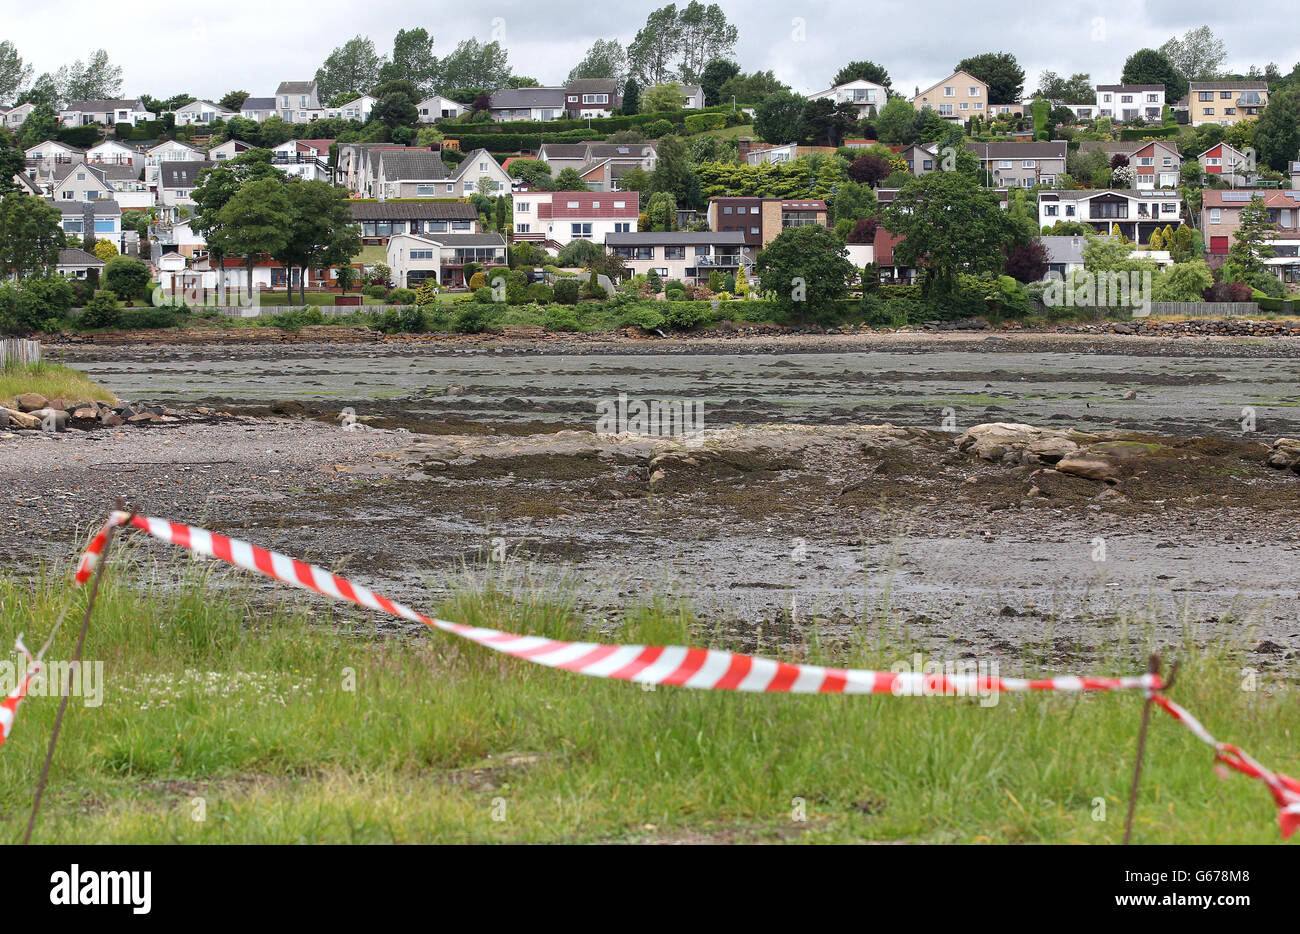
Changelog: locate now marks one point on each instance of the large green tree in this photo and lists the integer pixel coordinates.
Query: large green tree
(894, 120)
(1076, 89)
(352, 68)
(605, 59)
(1000, 71)
(778, 118)
(1277, 132)
(861, 71)
(413, 60)
(1251, 242)
(677, 43)
(216, 187)
(805, 270)
(751, 88)
(95, 79)
(674, 174)
(31, 234)
(717, 73)
(1147, 66)
(1199, 55)
(476, 64)
(13, 73)
(949, 225)
(322, 232)
(258, 219)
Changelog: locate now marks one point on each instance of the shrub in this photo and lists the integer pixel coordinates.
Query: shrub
(390, 322)
(374, 291)
(566, 291)
(42, 303)
(675, 295)
(658, 128)
(101, 311)
(686, 315)
(699, 123)
(648, 318)
(592, 288)
(149, 317)
(477, 281)
(541, 293)
(471, 318)
(400, 296)
(411, 319)
(561, 319)
(126, 277)
(484, 296)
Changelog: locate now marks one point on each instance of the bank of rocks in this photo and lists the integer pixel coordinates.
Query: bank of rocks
(33, 412)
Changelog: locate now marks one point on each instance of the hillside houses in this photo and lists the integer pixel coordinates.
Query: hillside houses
(104, 112)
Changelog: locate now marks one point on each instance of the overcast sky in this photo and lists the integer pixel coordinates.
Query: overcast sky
(252, 45)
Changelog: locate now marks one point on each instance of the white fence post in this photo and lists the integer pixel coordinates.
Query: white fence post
(18, 352)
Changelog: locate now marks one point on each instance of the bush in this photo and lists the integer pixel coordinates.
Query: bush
(126, 277)
(592, 289)
(471, 318)
(390, 322)
(658, 128)
(561, 319)
(675, 295)
(699, 123)
(149, 317)
(477, 281)
(411, 319)
(686, 315)
(101, 311)
(374, 291)
(566, 291)
(400, 296)
(483, 295)
(541, 293)
(41, 304)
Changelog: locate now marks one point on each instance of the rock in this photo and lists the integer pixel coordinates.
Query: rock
(22, 419)
(31, 401)
(279, 407)
(109, 419)
(1284, 455)
(1090, 468)
(85, 414)
(455, 389)
(1131, 394)
(58, 418)
(1052, 449)
(142, 418)
(1013, 443)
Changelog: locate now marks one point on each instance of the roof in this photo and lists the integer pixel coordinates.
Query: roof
(1030, 150)
(172, 142)
(1228, 86)
(1064, 249)
(320, 145)
(295, 87)
(182, 174)
(96, 207)
(564, 150)
(1273, 198)
(512, 98)
(55, 142)
(413, 210)
(455, 240)
(592, 85)
(407, 163)
(117, 172)
(1142, 88)
(258, 103)
(1078, 194)
(884, 243)
(1108, 145)
(588, 204)
(622, 150)
(677, 238)
(105, 105)
(64, 169)
(78, 257)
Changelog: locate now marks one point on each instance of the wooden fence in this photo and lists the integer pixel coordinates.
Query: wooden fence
(16, 352)
(1206, 309)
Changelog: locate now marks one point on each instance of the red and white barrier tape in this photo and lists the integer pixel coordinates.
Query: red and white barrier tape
(709, 669)
(9, 706)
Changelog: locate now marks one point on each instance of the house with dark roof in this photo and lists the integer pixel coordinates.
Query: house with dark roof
(176, 184)
(592, 97)
(416, 258)
(686, 255)
(102, 219)
(527, 104)
(76, 263)
(380, 220)
(257, 108)
(296, 102)
(438, 107)
(1128, 211)
(104, 112)
(1021, 165)
(600, 165)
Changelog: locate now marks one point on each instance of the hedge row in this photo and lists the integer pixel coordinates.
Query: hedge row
(1160, 132)
(607, 124)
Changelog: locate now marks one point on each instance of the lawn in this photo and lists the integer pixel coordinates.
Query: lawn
(286, 723)
(744, 129)
(51, 381)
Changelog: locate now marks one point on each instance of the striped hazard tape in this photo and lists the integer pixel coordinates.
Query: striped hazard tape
(709, 669)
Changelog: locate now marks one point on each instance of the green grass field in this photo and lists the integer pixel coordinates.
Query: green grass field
(51, 381)
(294, 725)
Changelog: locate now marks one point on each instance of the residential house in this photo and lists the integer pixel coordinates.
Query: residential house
(556, 218)
(200, 113)
(1021, 165)
(81, 181)
(105, 113)
(1064, 254)
(478, 166)
(686, 255)
(101, 219)
(175, 274)
(1135, 214)
(416, 258)
(260, 109)
(439, 108)
(355, 163)
(76, 263)
(1221, 218)
(600, 165)
(178, 237)
(307, 159)
(227, 150)
(921, 158)
(296, 102)
(866, 96)
(1155, 163)
(358, 109)
(761, 220)
(1293, 170)
(694, 95)
(177, 181)
(511, 104)
(1229, 164)
(882, 254)
(408, 172)
(592, 97)
(1225, 102)
(957, 98)
(786, 152)
(167, 151)
(43, 158)
(29, 185)
(112, 152)
(14, 117)
(381, 220)
(1124, 103)
(268, 274)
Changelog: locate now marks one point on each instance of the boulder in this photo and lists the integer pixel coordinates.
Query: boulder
(31, 401)
(1284, 454)
(56, 417)
(86, 414)
(1014, 443)
(21, 419)
(142, 418)
(109, 419)
(1089, 467)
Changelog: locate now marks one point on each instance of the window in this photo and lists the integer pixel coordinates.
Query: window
(573, 204)
(975, 92)
(1146, 160)
(927, 164)
(978, 105)
(460, 225)
(1107, 98)
(726, 209)
(753, 230)
(1027, 163)
(949, 92)
(1225, 95)
(964, 106)
(1153, 98)
(435, 226)
(1069, 210)
(623, 227)
(104, 225)
(451, 188)
(620, 205)
(1229, 111)
(754, 209)
(1049, 210)
(945, 109)
(595, 205)
(523, 207)
(1207, 112)
(422, 254)
(580, 231)
(426, 191)
(1205, 95)
(674, 252)
(1213, 160)
(1126, 98)
(1170, 207)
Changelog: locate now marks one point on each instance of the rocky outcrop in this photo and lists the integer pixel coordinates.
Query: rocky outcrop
(1284, 455)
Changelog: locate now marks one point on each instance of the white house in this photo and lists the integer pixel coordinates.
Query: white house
(200, 113)
(14, 117)
(533, 104)
(358, 109)
(867, 96)
(439, 108)
(556, 218)
(479, 164)
(167, 151)
(227, 150)
(1126, 102)
(44, 157)
(415, 258)
(296, 102)
(694, 95)
(103, 219)
(257, 108)
(1135, 214)
(111, 152)
(307, 159)
(76, 263)
(686, 255)
(105, 112)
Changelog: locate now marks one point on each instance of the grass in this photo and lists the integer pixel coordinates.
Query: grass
(313, 298)
(727, 132)
(51, 381)
(287, 724)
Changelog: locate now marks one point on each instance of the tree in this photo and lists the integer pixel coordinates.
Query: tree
(1198, 55)
(322, 232)
(1147, 66)
(751, 88)
(97, 79)
(126, 277)
(569, 180)
(949, 226)
(805, 269)
(1182, 282)
(1027, 262)
(31, 233)
(233, 100)
(346, 276)
(217, 186)
(413, 61)
(396, 109)
(476, 64)
(352, 68)
(703, 35)
(605, 59)
(999, 70)
(825, 122)
(650, 53)
(663, 97)
(13, 161)
(1277, 132)
(674, 174)
(532, 172)
(894, 120)
(777, 118)
(717, 73)
(869, 170)
(631, 97)
(13, 73)
(862, 71)
(1076, 89)
(864, 230)
(104, 250)
(661, 211)
(1250, 242)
